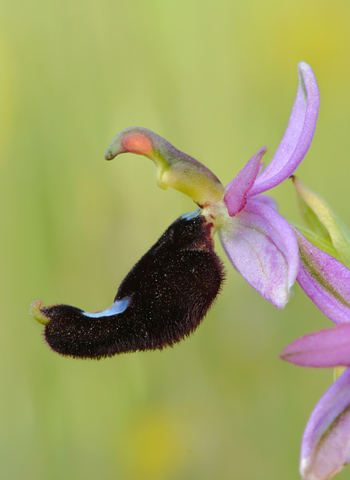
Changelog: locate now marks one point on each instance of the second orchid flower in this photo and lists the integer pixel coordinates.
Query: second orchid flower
(326, 441)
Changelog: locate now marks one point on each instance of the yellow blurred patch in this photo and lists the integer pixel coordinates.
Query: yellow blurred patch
(153, 448)
(316, 31)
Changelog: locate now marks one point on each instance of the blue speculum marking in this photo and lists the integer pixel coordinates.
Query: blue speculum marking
(119, 306)
(190, 215)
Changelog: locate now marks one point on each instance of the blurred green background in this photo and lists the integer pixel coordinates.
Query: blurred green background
(218, 80)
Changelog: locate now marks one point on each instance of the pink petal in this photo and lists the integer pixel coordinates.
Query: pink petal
(325, 448)
(325, 348)
(262, 247)
(266, 200)
(298, 136)
(236, 191)
(325, 280)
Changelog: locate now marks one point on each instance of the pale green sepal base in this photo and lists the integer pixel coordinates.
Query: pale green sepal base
(325, 224)
(321, 243)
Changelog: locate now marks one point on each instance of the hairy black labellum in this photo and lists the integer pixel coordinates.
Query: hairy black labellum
(169, 290)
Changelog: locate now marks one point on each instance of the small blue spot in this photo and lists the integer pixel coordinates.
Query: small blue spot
(119, 306)
(190, 215)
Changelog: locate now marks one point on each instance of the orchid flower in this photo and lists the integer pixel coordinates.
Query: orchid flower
(325, 447)
(326, 442)
(163, 299)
